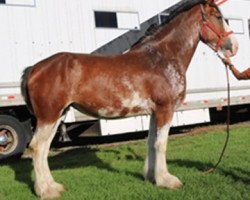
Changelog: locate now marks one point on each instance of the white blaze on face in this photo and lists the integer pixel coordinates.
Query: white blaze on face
(233, 40)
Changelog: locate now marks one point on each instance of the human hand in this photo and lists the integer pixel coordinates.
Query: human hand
(227, 62)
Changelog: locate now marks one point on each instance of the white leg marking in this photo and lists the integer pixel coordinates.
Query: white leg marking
(162, 176)
(161, 147)
(45, 186)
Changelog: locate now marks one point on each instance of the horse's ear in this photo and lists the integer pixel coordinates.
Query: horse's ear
(207, 1)
(215, 1)
(210, 1)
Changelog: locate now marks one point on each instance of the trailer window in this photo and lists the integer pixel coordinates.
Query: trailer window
(2, 1)
(236, 25)
(162, 17)
(119, 20)
(105, 19)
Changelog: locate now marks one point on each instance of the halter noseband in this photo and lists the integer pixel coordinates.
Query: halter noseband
(206, 24)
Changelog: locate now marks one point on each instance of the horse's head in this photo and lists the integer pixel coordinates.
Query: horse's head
(215, 32)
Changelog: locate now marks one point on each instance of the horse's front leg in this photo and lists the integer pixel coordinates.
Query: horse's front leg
(156, 170)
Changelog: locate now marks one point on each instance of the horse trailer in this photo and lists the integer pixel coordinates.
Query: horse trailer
(33, 30)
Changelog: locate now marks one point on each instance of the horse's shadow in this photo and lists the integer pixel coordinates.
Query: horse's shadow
(84, 157)
(22, 169)
(69, 159)
(236, 174)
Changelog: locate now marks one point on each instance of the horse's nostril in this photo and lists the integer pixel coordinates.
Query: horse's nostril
(229, 46)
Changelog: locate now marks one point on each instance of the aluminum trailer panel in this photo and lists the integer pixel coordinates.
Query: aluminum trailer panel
(33, 30)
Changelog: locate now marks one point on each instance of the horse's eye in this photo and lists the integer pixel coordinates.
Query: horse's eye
(219, 17)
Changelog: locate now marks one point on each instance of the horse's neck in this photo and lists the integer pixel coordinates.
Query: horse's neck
(184, 38)
(178, 39)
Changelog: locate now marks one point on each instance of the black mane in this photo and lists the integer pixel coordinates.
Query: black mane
(172, 12)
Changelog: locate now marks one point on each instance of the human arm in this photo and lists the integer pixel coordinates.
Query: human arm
(245, 75)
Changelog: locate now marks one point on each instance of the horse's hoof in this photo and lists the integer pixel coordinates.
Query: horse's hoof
(57, 186)
(52, 191)
(168, 181)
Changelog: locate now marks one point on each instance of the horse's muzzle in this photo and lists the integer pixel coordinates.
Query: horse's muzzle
(229, 49)
(232, 46)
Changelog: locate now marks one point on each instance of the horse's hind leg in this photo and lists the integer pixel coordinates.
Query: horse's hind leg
(45, 186)
(156, 170)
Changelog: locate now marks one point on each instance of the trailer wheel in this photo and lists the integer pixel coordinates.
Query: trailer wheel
(12, 137)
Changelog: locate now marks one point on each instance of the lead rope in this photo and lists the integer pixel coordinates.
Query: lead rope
(212, 169)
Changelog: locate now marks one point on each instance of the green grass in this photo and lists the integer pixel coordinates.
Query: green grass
(116, 172)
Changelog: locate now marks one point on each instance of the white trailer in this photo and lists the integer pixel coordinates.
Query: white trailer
(32, 30)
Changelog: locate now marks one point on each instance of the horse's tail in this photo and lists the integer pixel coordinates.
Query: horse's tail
(25, 89)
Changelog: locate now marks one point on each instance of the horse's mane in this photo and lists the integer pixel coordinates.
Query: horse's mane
(172, 12)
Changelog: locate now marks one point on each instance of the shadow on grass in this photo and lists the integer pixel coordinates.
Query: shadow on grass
(22, 169)
(70, 159)
(84, 157)
(236, 173)
(79, 157)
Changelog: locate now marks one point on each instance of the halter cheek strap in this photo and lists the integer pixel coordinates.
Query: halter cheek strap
(221, 35)
(206, 24)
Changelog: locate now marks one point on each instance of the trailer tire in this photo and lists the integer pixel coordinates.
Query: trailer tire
(14, 131)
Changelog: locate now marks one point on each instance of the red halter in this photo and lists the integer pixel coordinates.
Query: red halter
(208, 25)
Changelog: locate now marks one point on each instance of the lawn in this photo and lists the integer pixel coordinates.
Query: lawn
(115, 172)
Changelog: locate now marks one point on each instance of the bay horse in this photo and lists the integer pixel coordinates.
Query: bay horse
(147, 80)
